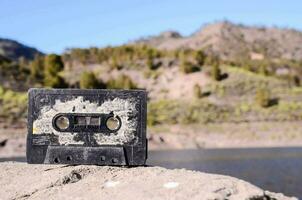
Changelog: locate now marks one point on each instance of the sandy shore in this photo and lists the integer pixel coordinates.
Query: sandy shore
(23, 181)
(226, 135)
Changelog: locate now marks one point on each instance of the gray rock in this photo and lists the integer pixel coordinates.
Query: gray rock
(23, 181)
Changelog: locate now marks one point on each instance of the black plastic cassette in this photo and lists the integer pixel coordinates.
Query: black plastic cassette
(73, 126)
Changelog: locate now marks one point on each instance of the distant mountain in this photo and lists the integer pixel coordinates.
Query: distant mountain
(232, 41)
(13, 50)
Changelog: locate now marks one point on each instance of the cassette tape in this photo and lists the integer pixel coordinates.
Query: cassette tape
(73, 126)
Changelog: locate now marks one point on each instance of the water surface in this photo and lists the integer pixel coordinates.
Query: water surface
(274, 169)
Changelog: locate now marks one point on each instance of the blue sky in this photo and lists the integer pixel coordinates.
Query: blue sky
(52, 26)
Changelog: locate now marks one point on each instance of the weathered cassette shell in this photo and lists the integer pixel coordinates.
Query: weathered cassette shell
(73, 126)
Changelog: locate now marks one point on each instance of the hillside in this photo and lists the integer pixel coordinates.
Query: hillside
(232, 41)
(196, 99)
(204, 87)
(14, 50)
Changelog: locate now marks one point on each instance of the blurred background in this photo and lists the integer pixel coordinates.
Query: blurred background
(224, 78)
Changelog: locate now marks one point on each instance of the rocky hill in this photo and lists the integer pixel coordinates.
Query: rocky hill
(232, 41)
(14, 50)
(256, 86)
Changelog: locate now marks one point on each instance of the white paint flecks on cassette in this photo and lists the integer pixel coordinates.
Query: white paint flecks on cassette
(119, 107)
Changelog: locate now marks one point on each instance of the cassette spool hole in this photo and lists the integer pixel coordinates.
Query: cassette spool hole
(113, 123)
(62, 122)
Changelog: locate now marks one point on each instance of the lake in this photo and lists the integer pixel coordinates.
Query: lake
(274, 169)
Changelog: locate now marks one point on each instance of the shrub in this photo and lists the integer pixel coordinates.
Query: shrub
(200, 57)
(211, 60)
(14, 76)
(150, 64)
(4, 60)
(187, 67)
(296, 81)
(121, 82)
(263, 68)
(182, 112)
(262, 97)
(114, 64)
(53, 65)
(123, 54)
(55, 82)
(163, 112)
(216, 73)
(197, 91)
(13, 105)
(37, 68)
(151, 55)
(154, 74)
(293, 81)
(89, 81)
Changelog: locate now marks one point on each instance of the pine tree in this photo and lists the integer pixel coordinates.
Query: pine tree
(53, 65)
(37, 68)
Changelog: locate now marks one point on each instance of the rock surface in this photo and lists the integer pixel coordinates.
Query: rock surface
(23, 181)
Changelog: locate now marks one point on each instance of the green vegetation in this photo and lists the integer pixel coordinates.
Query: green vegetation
(197, 91)
(183, 112)
(13, 75)
(123, 54)
(200, 57)
(151, 55)
(165, 112)
(4, 60)
(216, 73)
(263, 98)
(243, 83)
(263, 68)
(121, 82)
(239, 97)
(154, 74)
(37, 69)
(268, 67)
(13, 105)
(185, 65)
(53, 65)
(114, 64)
(89, 81)
(150, 63)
